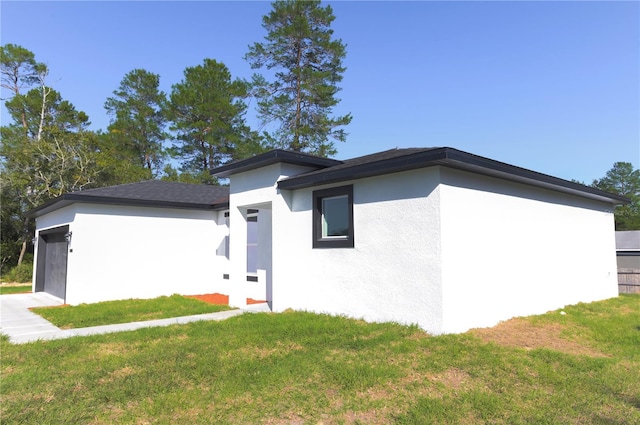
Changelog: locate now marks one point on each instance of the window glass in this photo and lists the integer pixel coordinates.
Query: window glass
(335, 216)
(252, 244)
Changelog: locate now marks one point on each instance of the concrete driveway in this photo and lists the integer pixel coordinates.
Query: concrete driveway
(21, 325)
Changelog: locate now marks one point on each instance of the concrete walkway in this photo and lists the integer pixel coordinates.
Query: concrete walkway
(22, 325)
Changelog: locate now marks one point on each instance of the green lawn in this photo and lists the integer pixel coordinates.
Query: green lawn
(14, 289)
(582, 367)
(125, 311)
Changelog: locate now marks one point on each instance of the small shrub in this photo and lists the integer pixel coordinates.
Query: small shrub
(22, 273)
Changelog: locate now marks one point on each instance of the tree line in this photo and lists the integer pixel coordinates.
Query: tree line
(623, 179)
(48, 149)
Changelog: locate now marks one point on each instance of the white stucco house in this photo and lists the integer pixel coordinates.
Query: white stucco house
(433, 236)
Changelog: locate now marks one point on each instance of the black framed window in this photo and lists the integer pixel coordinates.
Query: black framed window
(333, 218)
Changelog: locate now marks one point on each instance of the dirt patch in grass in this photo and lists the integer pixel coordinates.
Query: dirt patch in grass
(216, 298)
(453, 378)
(521, 333)
(118, 375)
(111, 349)
(257, 352)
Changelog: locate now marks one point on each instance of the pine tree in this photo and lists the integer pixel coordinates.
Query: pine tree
(624, 180)
(308, 68)
(207, 113)
(138, 124)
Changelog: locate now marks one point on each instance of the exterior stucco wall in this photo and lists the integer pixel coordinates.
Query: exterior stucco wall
(120, 252)
(513, 250)
(257, 189)
(392, 273)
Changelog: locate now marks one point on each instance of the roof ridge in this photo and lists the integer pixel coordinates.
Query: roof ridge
(142, 182)
(410, 149)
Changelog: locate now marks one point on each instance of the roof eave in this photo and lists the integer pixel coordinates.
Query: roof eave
(71, 198)
(485, 166)
(370, 169)
(456, 159)
(273, 157)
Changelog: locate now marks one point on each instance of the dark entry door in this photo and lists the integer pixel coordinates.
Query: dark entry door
(51, 273)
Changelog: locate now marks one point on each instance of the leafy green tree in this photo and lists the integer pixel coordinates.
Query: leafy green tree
(207, 113)
(53, 154)
(46, 151)
(11, 226)
(18, 69)
(308, 67)
(48, 117)
(623, 180)
(138, 119)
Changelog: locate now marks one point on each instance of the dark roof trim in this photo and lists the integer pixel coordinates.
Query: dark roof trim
(451, 158)
(274, 157)
(76, 198)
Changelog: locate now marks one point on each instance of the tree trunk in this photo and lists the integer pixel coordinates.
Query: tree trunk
(296, 137)
(23, 250)
(25, 233)
(42, 111)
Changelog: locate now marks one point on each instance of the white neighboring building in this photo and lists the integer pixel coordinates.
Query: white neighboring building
(628, 255)
(438, 237)
(432, 236)
(628, 249)
(139, 240)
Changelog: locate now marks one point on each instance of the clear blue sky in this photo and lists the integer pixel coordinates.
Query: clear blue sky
(549, 86)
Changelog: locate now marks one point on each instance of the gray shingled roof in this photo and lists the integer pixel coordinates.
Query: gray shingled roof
(396, 160)
(151, 193)
(374, 164)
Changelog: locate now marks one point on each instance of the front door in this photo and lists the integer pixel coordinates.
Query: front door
(258, 246)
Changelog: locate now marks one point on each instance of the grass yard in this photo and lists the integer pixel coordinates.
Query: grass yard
(125, 311)
(582, 367)
(6, 289)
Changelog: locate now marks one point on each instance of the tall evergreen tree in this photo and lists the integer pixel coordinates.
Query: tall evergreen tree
(207, 113)
(19, 69)
(138, 119)
(624, 180)
(308, 68)
(116, 163)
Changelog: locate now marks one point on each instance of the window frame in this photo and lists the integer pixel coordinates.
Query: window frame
(333, 241)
